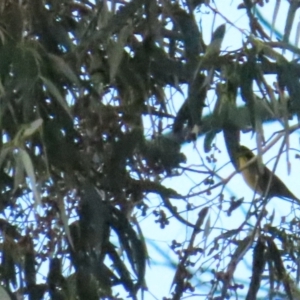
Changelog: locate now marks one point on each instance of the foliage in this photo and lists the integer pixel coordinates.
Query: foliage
(85, 119)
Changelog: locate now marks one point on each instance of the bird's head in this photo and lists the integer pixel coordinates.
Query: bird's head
(243, 155)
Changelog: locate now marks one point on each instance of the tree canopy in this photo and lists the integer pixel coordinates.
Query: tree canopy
(96, 100)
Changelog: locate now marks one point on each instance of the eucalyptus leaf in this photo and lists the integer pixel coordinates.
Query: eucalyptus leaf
(4, 295)
(32, 127)
(54, 91)
(63, 67)
(116, 49)
(28, 165)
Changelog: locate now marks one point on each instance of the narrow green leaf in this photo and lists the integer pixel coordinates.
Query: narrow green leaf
(8, 261)
(201, 216)
(275, 256)
(32, 127)
(207, 228)
(275, 13)
(227, 234)
(3, 294)
(120, 267)
(3, 154)
(64, 68)
(64, 218)
(213, 49)
(209, 138)
(19, 176)
(289, 21)
(116, 50)
(243, 246)
(258, 265)
(133, 246)
(56, 93)
(30, 173)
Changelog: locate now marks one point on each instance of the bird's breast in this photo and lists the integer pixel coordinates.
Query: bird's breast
(250, 175)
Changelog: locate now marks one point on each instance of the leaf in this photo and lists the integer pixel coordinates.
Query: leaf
(262, 47)
(19, 176)
(12, 20)
(4, 153)
(29, 262)
(201, 216)
(294, 5)
(8, 260)
(296, 41)
(190, 31)
(207, 228)
(133, 246)
(247, 74)
(234, 204)
(232, 141)
(3, 294)
(120, 267)
(63, 67)
(243, 246)
(65, 220)
(30, 173)
(56, 94)
(71, 286)
(258, 265)
(275, 256)
(26, 66)
(87, 286)
(164, 153)
(93, 219)
(55, 279)
(227, 234)
(275, 13)
(209, 138)
(32, 127)
(214, 47)
(287, 76)
(116, 50)
(196, 100)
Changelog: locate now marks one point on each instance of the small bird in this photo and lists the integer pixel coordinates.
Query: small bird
(264, 182)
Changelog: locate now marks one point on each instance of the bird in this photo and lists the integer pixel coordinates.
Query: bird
(261, 180)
